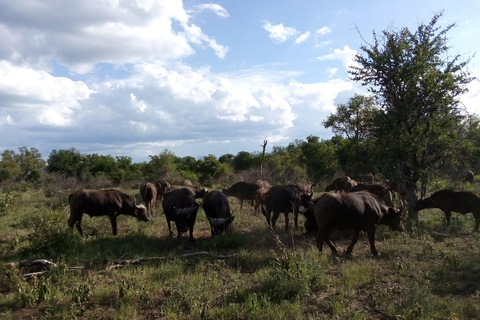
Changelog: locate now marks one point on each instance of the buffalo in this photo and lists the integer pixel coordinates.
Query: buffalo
(364, 178)
(217, 210)
(341, 184)
(196, 191)
(179, 206)
(449, 200)
(359, 211)
(162, 188)
(258, 199)
(148, 192)
(111, 203)
(241, 191)
(286, 199)
(383, 191)
(306, 187)
(263, 184)
(468, 176)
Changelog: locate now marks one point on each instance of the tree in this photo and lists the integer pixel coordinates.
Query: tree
(354, 119)
(319, 158)
(70, 162)
(9, 168)
(417, 85)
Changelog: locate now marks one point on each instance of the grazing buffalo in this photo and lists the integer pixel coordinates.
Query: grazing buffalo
(286, 199)
(196, 191)
(241, 191)
(359, 211)
(341, 184)
(148, 192)
(383, 191)
(365, 178)
(263, 184)
(111, 203)
(468, 176)
(179, 206)
(306, 187)
(162, 188)
(187, 182)
(217, 210)
(448, 200)
(258, 199)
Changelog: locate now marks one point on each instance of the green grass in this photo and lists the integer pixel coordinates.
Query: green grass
(429, 272)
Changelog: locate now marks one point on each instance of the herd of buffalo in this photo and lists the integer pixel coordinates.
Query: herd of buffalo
(359, 206)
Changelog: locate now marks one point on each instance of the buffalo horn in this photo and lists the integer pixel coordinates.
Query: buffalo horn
(184, 211)
(217, 221)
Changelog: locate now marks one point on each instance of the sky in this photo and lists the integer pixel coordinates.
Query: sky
(196, 78)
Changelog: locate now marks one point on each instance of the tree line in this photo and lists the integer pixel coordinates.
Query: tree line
(411, 126)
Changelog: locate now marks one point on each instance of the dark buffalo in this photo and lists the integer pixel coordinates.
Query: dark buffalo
(258, 199)
(359, 211)
(179, 206)
(286, 199)
(241, 191)
(468, 176)
(449, 200)
(148, 192)
(196, 191)
(364, 178)
(383, 191)
(341, 184)
(217, 210)
(111, 203)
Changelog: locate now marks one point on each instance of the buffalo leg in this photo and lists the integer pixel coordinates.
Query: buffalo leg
(274, 219)
(476, 215)
(113, 221)
(354, 241)
(78, 224)
(191, 233)
(170, 232)
(295, 218)
(287, 220)
(448, 216)
(371, 239)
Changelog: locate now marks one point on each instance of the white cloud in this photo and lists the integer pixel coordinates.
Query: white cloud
(82, 34)
(332, 71)
(303, 37)
(39, 97)
(323, 31)
(279, 33)
(216, 8)
(345, 56)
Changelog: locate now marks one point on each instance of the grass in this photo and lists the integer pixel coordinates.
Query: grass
(429, 272)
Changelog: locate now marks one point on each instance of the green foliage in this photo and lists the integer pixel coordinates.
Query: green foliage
(418, 91)
(6, 199)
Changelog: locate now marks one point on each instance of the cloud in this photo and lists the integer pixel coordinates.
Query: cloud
(216, 8)
(323, 31)
(279, 33)
(82, 34)
(345, 56)
(29, 94)
(303, 37)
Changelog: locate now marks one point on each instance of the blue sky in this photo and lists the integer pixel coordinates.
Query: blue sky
(133, 78)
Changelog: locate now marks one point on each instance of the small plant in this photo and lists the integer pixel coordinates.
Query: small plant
(5, 200)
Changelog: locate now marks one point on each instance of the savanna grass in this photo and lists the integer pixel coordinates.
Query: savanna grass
(429, 272)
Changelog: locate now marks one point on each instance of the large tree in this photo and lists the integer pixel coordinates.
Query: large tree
(353, 120)
(417, 85)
